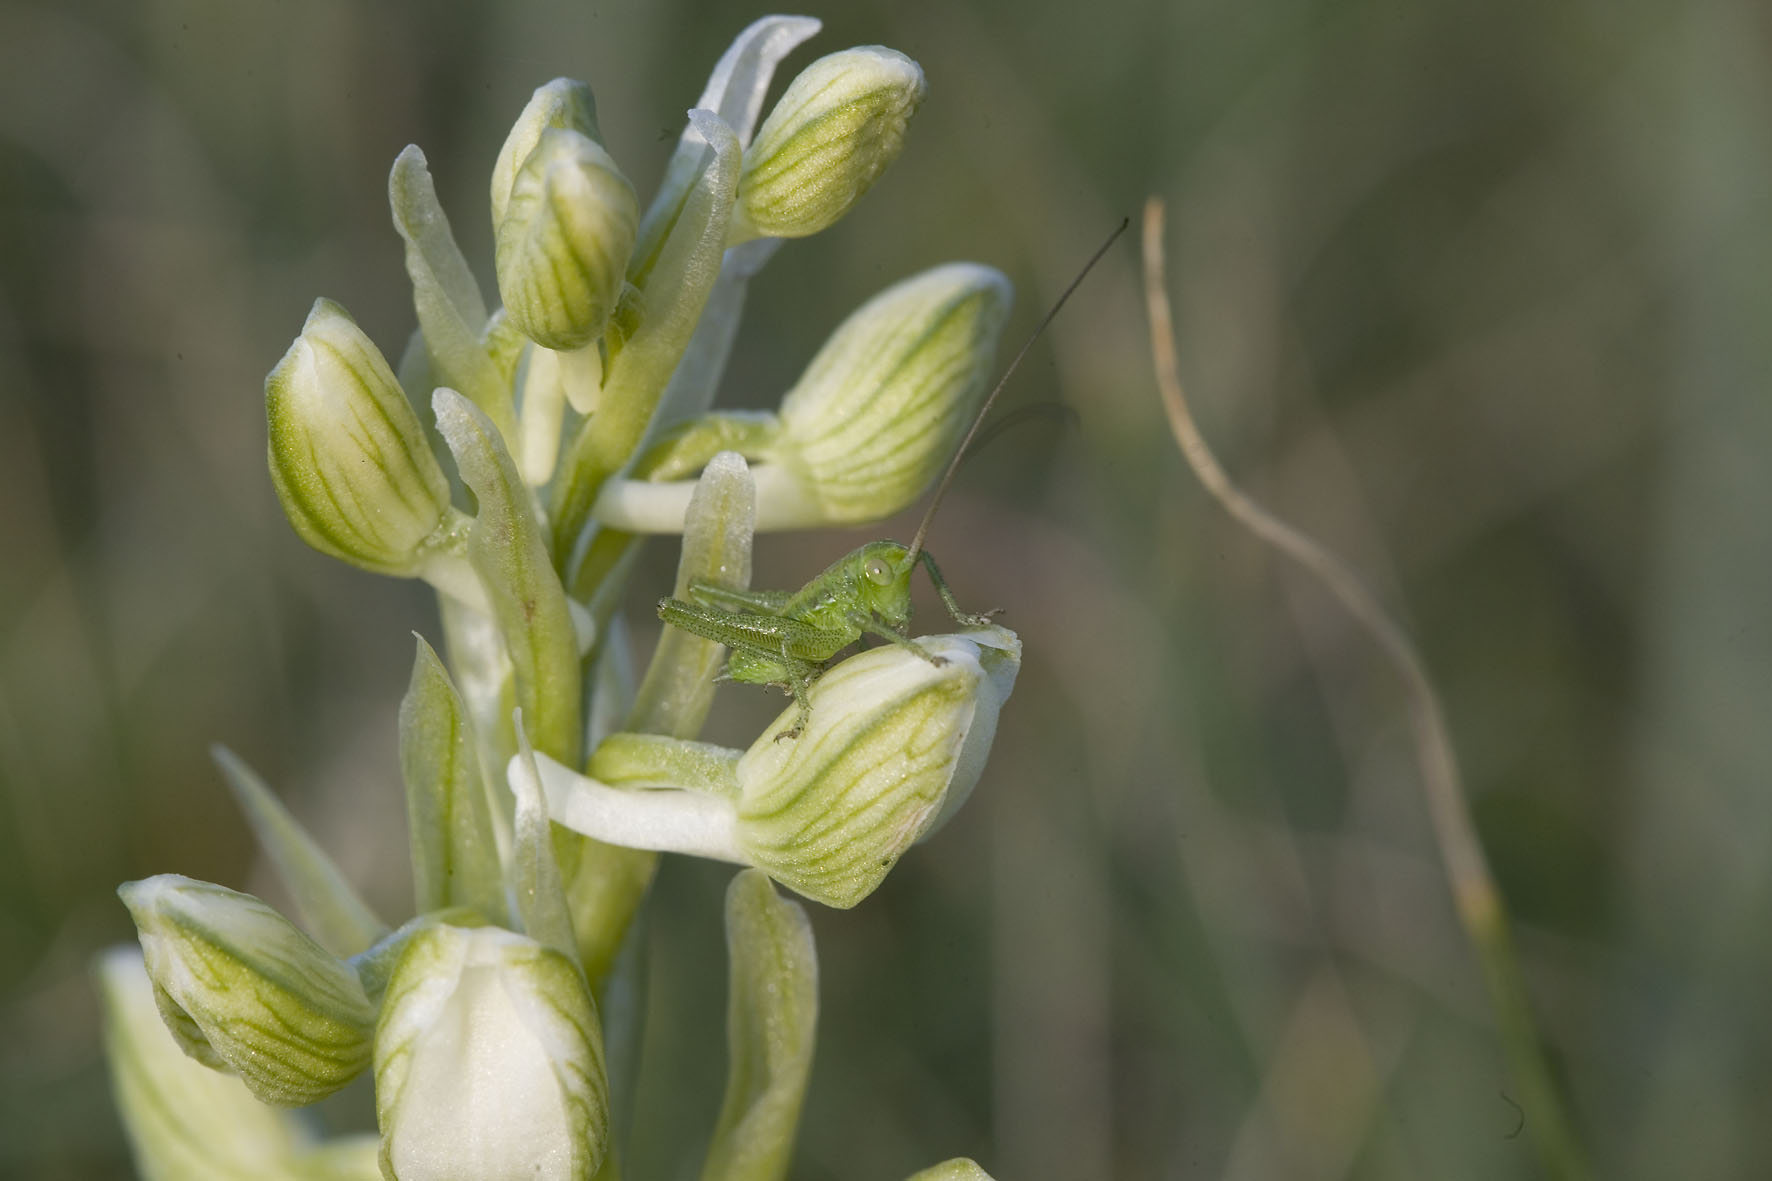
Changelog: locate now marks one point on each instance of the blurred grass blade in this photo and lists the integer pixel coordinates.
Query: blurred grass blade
(333, 912)
(1479, 903)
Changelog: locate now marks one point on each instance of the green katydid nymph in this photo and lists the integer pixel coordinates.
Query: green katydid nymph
(786, 638)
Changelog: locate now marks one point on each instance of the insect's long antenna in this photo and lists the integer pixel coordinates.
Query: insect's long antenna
(947, 477)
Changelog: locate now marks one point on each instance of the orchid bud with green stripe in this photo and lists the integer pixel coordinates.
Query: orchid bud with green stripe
(870, 424)
(489, 1062)
(564, 240)
(839, 125)
(878, 413)
(825, 803)
(243, 989)
(347, 454)
(563, 102)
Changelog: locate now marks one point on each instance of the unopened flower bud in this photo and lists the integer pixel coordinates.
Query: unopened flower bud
(348, 457)
(564, 240)
(489, 1062)
(185, 1120)
(837, 127)
(880, 409)
(288, 1017)
(561, 103)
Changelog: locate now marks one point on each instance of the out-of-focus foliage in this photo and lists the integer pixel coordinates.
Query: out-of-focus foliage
(1480, 293)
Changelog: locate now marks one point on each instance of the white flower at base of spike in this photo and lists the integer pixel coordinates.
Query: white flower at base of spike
(564, 240)
(873, 420)
(489, 1062)
(242, 988)
(892, 746)
(838, 126)
(348, 456)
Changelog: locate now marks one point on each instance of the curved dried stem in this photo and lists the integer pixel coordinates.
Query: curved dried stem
(1478, 902)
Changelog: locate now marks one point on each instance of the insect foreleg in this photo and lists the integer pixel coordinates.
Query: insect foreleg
(947, 596)
(872, 625)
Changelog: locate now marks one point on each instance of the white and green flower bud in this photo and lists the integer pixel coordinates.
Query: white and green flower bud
(892, 745)
(348, 456)
(873, 420)
(564, 240)
(877, 415)
(835, 130)
(489, 1062)
(242, 988)
(563, 102)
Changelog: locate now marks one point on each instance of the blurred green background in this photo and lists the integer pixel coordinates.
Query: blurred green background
(1478, 292)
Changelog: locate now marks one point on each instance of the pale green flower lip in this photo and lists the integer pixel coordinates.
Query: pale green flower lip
(839, 125)
(489, 1062)
(347, 454)
(244, 990)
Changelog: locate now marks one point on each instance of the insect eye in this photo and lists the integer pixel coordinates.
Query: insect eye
(877, 572)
